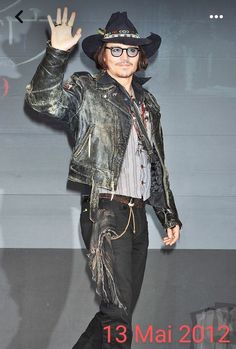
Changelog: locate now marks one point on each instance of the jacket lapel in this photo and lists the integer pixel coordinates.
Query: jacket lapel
(110, 90)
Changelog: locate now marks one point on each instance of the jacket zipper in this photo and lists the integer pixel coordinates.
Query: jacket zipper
(117, 106)
(112, 189)
(89, 145)
(87, 138)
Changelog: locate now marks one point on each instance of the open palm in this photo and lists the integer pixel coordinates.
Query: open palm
(61, 32)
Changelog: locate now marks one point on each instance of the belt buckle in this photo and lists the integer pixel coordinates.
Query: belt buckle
(130, 203)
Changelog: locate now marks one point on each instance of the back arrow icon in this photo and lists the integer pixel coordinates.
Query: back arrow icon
(18, 16)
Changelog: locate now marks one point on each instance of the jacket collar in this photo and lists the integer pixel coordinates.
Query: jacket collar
(105, 80)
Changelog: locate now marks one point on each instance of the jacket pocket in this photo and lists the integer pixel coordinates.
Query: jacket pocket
(85, 140)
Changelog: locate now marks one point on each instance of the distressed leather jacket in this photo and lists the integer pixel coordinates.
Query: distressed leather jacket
(100, 124)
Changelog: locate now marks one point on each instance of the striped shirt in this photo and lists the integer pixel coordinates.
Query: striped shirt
(135, 175)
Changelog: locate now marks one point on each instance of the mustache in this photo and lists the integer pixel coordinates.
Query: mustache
(124, 62)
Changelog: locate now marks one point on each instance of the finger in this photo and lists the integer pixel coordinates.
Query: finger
(72, 19)
(50, 22)
(58, 20)
(167, 241)
(175, 238)
(77, 35)
(173, 242)
(166, 238)
(168, 244)
(65, 13)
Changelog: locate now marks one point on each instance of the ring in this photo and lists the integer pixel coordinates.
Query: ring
(57, 24)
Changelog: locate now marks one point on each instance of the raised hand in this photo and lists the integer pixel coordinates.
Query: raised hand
(61, 36)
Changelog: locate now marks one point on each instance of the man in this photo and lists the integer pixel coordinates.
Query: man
(118, 153)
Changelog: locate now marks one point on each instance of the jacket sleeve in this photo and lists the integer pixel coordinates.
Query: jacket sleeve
(47, 93)
(169, 217)
(161, 199)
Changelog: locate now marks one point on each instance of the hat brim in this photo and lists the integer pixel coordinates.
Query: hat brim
(150, 44)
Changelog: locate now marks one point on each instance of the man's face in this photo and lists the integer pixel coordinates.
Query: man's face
(123, 66)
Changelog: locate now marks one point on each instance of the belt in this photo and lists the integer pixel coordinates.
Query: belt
(120, 198)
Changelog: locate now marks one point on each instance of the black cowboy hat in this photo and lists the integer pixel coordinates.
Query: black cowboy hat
(119, 29)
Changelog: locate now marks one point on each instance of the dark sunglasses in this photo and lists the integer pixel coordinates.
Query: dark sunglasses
(117, 51)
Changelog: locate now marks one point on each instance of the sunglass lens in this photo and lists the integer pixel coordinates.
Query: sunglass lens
(116, 51)
(132, 51)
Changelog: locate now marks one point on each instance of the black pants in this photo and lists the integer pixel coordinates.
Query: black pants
(111, 327)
